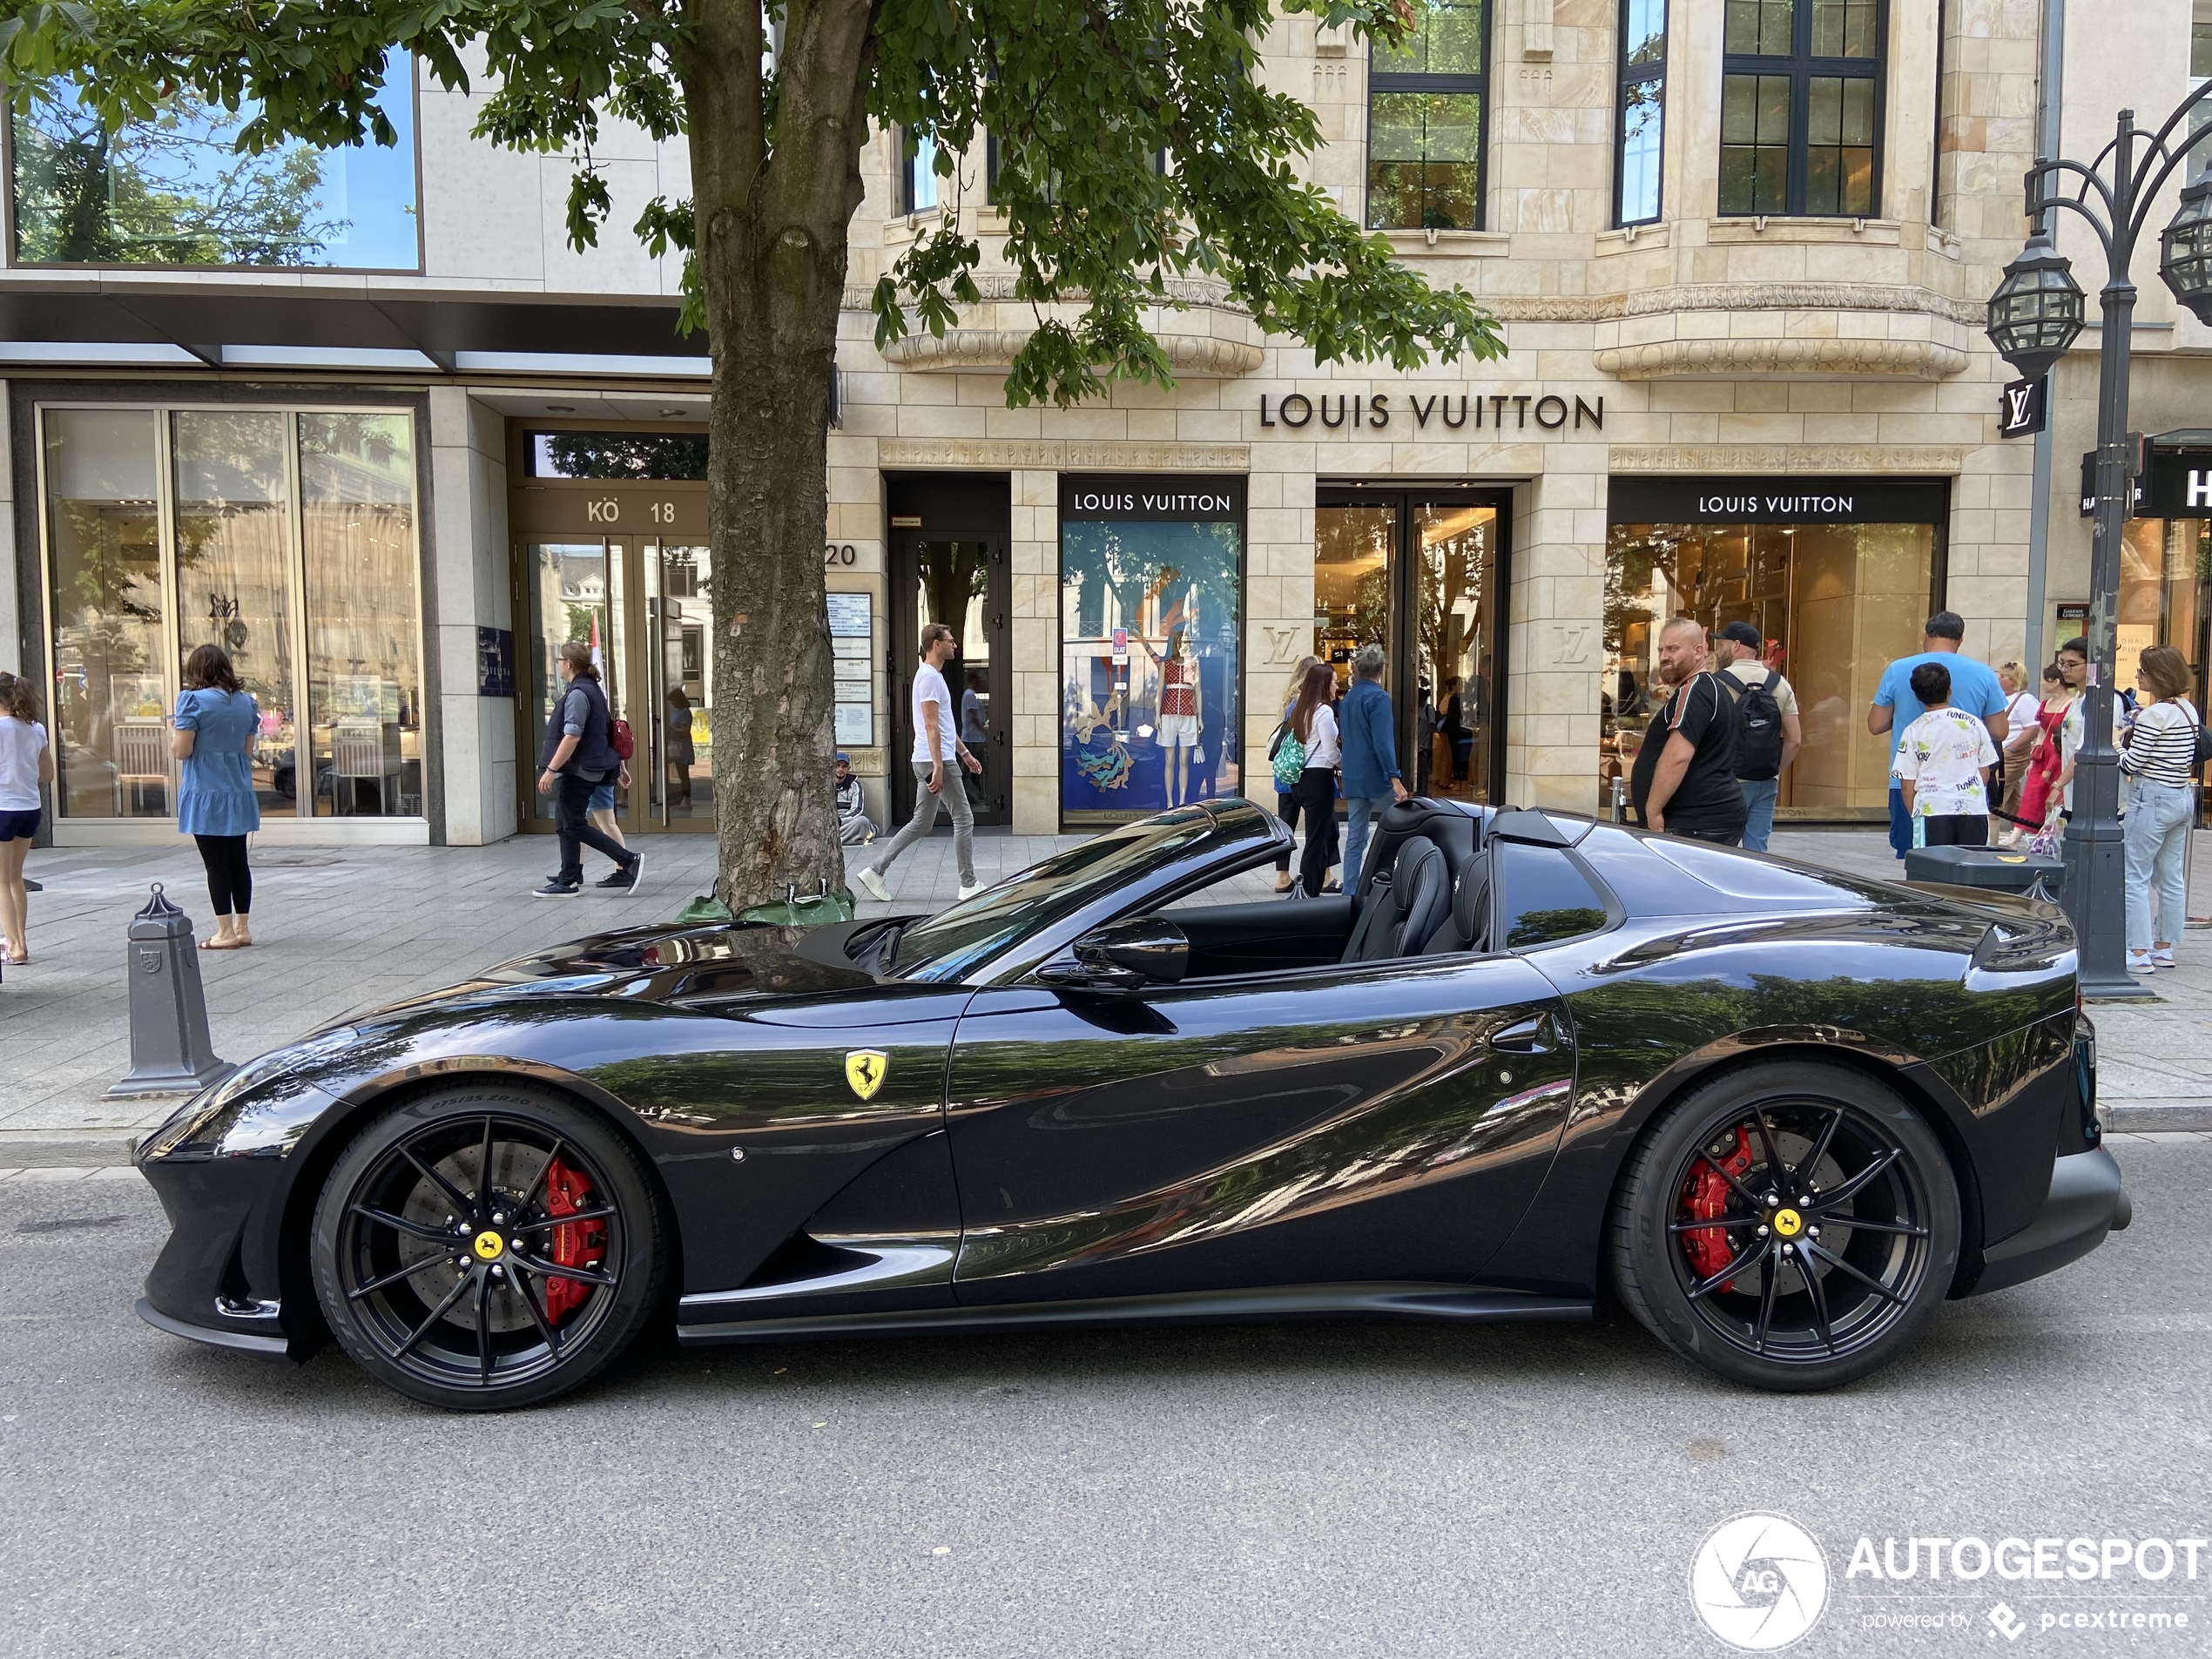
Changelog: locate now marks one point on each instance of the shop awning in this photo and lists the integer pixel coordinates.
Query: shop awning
(106, 318)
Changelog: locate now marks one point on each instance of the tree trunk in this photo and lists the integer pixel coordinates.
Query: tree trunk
(771, 245)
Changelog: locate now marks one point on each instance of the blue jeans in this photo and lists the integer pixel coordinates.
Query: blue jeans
(1901, 823)
(2157, 831)
(1356, 828)
(1759, 796)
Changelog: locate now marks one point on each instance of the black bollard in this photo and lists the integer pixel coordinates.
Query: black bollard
(171, 1051)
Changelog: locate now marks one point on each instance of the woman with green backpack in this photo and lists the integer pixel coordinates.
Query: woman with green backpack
(1306, 754)
(1285, 805)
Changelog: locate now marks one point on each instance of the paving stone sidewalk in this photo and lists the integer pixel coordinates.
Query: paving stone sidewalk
(343, 929)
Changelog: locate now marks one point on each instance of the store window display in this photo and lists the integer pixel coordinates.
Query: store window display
(1833, 603)
(1150, 618)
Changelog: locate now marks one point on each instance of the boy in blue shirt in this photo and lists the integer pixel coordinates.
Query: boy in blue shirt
(1974, 688)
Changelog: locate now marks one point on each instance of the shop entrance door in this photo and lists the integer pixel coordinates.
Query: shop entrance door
(641, 604)
(949, 564)
(1422, 573)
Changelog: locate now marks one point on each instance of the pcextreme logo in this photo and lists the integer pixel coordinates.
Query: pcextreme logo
(1758, 1582)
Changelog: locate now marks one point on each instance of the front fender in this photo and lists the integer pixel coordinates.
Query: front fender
(688, 1088)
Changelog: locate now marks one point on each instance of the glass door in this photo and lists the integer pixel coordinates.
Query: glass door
(675, 730)
(1421, 574)
(1455, 633)
(966, 585)
(573, 592)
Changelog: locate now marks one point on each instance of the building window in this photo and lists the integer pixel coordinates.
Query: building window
(1801, 97)
(918, 175)
(174, 190)
(1643, 125)
(1425, 104)
(288, 539)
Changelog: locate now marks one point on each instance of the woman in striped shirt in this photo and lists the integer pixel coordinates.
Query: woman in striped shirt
(2159, 760)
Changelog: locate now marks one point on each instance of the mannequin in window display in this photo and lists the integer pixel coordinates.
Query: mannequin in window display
(1181, 707)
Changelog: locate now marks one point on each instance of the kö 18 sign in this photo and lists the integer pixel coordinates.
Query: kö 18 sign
(1455, 412)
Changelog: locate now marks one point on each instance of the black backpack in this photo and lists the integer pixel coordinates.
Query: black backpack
(1758, 728)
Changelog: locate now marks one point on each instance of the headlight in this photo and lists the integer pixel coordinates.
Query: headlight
(198, 1124)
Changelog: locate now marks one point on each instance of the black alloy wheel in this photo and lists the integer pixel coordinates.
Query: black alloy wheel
(1789, 1225)
(487, 1247)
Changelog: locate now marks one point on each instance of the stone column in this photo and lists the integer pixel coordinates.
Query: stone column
(1036, 627)
(19, 608)
(1554, 628)
(468, 481)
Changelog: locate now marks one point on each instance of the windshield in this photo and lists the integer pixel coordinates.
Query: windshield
(949, 944)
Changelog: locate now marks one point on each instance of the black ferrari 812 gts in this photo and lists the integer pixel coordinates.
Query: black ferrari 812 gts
(1781, 1113)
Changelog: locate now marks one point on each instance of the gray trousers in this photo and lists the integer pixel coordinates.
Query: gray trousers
(854, 830)
(952, 795)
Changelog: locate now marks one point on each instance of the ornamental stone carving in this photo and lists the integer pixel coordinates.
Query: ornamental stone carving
(1915, 359)
(1030, 454)
(1194, 356)
(1835, 460)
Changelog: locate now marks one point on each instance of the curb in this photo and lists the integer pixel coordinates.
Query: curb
(55, 1151)
(2135, 1120)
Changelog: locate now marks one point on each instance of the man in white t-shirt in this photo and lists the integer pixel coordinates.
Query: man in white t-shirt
(937, 745)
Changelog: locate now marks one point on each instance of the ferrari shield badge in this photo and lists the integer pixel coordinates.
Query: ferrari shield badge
(863, 1070)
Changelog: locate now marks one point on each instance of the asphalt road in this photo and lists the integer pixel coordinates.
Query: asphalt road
(1296, 1490)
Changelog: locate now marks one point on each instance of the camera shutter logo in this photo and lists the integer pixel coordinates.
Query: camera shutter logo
(1758, 1582)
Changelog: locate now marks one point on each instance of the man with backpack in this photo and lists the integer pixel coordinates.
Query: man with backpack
(1768, 731)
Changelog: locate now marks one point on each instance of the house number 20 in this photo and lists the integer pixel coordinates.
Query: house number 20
(835, 554)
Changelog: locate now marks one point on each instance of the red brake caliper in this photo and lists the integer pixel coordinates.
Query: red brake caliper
(1705, 1196)
(582, 1244)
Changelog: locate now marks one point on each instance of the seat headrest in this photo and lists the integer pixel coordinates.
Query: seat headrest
(1470, 898)
(1405, 874)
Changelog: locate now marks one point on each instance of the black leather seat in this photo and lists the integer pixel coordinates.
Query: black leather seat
(1451, 831)
(1405, 904)
(1465, 927)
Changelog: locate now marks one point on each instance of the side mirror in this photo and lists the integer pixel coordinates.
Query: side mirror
(1125, 956)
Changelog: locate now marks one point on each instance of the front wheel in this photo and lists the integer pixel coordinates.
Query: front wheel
(488, 1247)
(1791, 1226)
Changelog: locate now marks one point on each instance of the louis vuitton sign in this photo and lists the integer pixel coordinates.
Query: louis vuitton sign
(1439, 411)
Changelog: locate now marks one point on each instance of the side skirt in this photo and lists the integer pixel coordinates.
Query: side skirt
(1444, 1302)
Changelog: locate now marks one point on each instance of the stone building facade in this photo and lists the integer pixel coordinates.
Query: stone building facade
(1740, 251)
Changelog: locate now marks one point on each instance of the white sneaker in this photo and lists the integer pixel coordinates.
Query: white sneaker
(969, 892)
(2139, 961)
(874, 883)
(2162, 958)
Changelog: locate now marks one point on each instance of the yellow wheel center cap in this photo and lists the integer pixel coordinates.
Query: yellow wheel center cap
(489, 1246)
(1787, 1222)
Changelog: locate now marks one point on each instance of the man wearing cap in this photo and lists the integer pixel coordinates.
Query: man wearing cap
(853, 828)
(1768, 733)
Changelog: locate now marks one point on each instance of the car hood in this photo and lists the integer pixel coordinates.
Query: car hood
(714, 963)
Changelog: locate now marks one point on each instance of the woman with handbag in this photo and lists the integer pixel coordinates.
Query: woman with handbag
(2159, 764)
(1285, 803)
(1313, 724)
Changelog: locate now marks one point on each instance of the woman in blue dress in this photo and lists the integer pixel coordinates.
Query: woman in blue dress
(217, 723)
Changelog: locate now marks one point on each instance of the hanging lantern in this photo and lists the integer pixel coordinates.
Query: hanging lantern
(2037, 310)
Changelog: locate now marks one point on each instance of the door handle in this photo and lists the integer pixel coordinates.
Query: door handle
(1531, 1036)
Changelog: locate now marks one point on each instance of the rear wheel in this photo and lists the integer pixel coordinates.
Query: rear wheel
(488, 1247)
(1793, 1226)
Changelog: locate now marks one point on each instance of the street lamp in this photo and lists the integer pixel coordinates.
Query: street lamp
(2034, 316)
(2037, 312)
(2186, 248)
